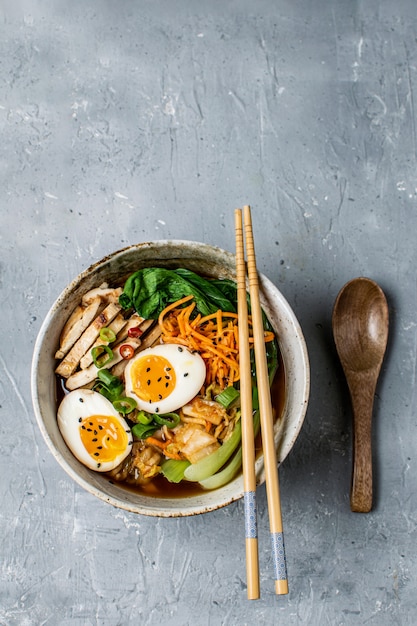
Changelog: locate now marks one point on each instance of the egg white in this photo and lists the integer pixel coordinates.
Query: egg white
(190, 374)
(82, 404)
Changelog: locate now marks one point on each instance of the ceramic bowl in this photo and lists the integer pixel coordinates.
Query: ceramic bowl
(203, 259)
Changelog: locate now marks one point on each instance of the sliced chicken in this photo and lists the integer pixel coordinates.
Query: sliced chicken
(116, 326)
(133, 321)
(82, 378)
(104, 292)
(72, 359)
(78, 321)
(91, 305)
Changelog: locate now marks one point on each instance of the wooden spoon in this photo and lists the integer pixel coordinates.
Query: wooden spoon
(360, 329)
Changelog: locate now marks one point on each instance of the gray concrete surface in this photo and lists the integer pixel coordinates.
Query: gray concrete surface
(127, 121)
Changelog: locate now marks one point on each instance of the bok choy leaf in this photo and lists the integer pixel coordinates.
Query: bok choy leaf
(151, 289)
(209, 465)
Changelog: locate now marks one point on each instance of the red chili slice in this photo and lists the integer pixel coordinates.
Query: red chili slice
(126, 351)
(135, 331)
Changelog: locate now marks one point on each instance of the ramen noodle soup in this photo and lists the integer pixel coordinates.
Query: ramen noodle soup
(148, 382)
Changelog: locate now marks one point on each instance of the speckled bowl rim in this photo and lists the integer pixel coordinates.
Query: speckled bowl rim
(169, 253)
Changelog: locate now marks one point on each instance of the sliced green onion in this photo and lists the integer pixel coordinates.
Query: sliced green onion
(141, 431)
(167, 419)
(227, 396)
(108, 385)
(173, 470)
(107, 334)
(142, 417)
(109, 379)
(125, 405)
(111, 393)
(210, 464)
(101, 356)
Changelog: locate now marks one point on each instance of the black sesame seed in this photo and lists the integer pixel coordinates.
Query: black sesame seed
(166, 385)
(159, 379)
(148, 369)
(160, 397)
(95, 439)
(156, 410)
(185, 374)
(81, 399)
(80, 419)
(168, 369)
(108, 439)
(100, 427)
(90, 423)
(180, 349)
(95, 432)
(99, 447)
(96, 453)
(89, 430)
(167, 377)
(83, 427)
(98, 464)
(148, 382)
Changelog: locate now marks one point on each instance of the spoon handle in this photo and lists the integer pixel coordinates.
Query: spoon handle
(362, 391)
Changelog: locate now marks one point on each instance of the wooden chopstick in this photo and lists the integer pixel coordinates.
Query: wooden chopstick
(265, 406)
(248, 443)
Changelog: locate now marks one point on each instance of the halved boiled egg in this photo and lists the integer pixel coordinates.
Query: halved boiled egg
(93, 430)
(164, 378)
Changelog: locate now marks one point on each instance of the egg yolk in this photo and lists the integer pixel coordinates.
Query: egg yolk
(103, 437)
(153, 378)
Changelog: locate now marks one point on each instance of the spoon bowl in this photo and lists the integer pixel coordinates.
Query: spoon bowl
(360, 330)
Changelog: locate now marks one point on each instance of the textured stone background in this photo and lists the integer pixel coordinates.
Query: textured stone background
(127, 121)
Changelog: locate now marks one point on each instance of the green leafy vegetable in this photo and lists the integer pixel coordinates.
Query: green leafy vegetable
(230, 470)
(225, 475)
(151, 289)
(173, 470)
(227, 287)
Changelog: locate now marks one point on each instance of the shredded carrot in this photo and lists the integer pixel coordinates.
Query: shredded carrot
(156, 442)
(173, 455)
(163, 446)
(172, 306)
(214, 337)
